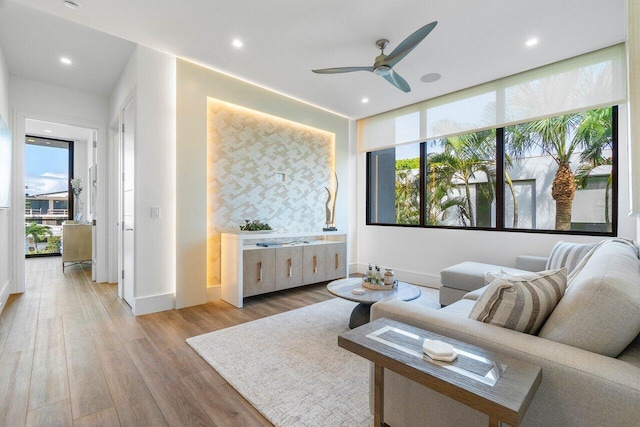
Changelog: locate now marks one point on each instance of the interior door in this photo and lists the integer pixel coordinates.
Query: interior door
(128, 199)
(91, 201)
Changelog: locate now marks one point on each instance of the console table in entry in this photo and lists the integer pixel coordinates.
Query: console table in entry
(501, 387)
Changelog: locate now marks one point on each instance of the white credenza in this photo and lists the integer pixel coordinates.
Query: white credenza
(304, 258)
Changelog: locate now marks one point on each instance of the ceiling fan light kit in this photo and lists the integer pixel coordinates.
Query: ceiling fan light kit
(383, 65)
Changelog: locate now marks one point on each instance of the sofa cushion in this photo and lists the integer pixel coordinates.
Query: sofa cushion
(460, 308)
(566, 254)
(521, 303)
(600, 311)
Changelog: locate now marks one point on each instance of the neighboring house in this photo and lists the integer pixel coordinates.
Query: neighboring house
(47, 208)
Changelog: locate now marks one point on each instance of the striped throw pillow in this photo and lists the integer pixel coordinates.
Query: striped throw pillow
(522, 303)
(566, 254)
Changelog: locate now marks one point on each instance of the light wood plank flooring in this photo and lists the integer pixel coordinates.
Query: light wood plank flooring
(71, 353)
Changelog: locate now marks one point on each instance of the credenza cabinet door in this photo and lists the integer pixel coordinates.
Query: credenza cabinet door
(258, 271)
(336, 260)
(314, 264)
(288, 267)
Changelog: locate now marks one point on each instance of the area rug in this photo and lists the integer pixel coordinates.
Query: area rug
(290, 368)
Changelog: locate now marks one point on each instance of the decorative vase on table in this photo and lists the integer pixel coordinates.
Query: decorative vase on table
(76, 187)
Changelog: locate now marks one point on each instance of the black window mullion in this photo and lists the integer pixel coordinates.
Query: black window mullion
(423, 183)
(614, 170)
(500, 178)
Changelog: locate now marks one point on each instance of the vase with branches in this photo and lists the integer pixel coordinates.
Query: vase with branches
(76, 188)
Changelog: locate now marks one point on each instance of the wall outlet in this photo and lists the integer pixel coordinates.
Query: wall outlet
(155, 212)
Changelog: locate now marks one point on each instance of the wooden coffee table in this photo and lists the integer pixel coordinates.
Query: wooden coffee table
(499, 386)
(360, 315)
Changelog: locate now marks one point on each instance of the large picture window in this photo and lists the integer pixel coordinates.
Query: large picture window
(550, 175)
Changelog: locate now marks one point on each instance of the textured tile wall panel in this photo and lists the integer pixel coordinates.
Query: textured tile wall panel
(245, 149)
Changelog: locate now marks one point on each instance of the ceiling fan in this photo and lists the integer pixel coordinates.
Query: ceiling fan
(383, 65)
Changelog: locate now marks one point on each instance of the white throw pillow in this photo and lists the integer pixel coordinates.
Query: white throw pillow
(522, 303)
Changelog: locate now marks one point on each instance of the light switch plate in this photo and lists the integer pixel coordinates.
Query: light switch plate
(155, 212)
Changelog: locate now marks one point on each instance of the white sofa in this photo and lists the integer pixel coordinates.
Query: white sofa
(589, 357)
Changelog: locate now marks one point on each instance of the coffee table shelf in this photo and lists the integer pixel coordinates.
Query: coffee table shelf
(500, 386)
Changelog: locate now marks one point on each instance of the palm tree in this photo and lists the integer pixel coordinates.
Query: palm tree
(561, 137)
(38, 231)
(464, 158)
(509, 182)
(407, 196)
(595, 132)
(555, 136)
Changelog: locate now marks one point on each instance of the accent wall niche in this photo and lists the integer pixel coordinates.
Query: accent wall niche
(263, 167)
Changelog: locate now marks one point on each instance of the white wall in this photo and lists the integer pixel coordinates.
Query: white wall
(42, 101)
(80, 149)
(6, 264)
(418, 254)
(150, 76)
(195, 85)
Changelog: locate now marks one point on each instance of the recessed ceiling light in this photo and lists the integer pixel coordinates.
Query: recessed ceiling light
(430, 78)
(47, 131)
(237, 43)
(365, 100)
(65, 60)
(72, 4)
(531, 42)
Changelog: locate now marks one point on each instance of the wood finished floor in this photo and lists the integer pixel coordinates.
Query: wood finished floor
(72, 354)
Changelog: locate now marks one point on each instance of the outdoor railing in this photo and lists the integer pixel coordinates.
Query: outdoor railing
(63, 213)
(58, 212)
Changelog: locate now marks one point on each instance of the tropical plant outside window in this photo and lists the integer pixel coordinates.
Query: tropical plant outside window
(557, 175)
(461, 180)
(572, 152)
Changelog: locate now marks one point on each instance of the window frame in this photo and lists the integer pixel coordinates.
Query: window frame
(500, 191)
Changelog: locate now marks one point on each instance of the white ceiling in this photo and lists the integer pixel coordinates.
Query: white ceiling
(474, 42)
(33, 42)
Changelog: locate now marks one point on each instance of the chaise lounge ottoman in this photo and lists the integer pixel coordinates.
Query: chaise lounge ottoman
(468, 276)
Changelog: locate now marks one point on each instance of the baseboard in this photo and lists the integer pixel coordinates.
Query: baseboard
(421, 279)
(5, 291)
(154, 303)
(213, 293)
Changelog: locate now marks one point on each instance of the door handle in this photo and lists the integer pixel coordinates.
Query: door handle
(260, 272)
(290, 268)
(315, 264)
(128, 229)
(337, 262)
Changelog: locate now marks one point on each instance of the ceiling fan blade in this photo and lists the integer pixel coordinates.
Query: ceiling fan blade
(408, 44)
(342, 70)
(397, 80)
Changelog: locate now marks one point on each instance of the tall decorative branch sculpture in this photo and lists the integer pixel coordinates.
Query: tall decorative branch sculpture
(330, 212)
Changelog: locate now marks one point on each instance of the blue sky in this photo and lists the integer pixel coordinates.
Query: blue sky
(46, 169)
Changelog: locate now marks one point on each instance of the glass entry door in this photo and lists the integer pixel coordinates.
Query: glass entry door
(48, 201)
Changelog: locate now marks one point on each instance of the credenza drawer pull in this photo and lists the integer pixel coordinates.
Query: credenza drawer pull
(337, 262)
(315, 264)
(260, 272)
(290, 267)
